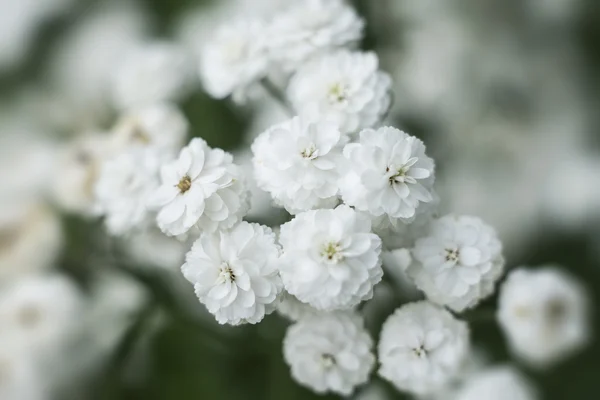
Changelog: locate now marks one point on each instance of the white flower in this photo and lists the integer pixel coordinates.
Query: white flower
(160, 126)
(77, 172)
(235, 273)
(123, 188)
(497, 383)
(544, 314)
(312, 27)
(422, 347)
(297, 162)
(152, 73)
(329, 352)
(387, 173)
(203, 188)
(30, 238)
(459, 261)
(345, 87)
(20, 375)
(151, 248)
(331, 259)
(234, 60)
(40, 313)
(293, 309)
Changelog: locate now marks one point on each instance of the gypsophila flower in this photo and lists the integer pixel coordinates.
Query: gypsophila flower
(159, 126)
(312, 27)
(152, 73)
(203, 188)
(297, 163)
(544, 315)
(331, 259)
(422, 347)
(459, 261)
(293, 309)
(329, 352)
(123, 187)
(344, 87)
(387, 173)
(234, 59)
(235, 273)
(497, 383)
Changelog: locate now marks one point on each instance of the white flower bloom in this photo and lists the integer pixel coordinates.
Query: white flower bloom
(161, 127)
(312, 27)
(544, 314)
(298, 163)
(331, 259)
(77, 172)
(345, 87)
(203, 188)
(293, 309)
(152, 73)
(124, 185)
(387, 173)
(20, 377)
(40, 313)
(459, 261)
(235, 273)
(422, 347)
(234, 59)
(329, 352)
(498, 383)
(30, 238)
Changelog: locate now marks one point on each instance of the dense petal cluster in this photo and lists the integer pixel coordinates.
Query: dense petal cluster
(344, 87)
(543, 314)
(422, 347)
(234, 273)
(234, 59)
(297, 162)
(329, 352)
(387, 173)
(312, 27)
(123, 187)
(331, 259)
(498, 383)
(459, 261)
(202, 188)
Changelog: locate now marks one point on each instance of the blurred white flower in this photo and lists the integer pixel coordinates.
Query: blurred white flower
(235, 59)
(293, 309)
(387, 172)
(331, 260)
(329, 352)
(40, 313)
(497, 383)
(155, 72)
(544, 314)
(312, 27)
(20, 377)
(344, 87)
(202, 188)
(160, 126)
(30, 238)
(261, 202)
(396, 264)
(234, 273)
(77, 172)
(459, 261)
(298, 162)
(152, 248)
(123, 187)
(422, 347)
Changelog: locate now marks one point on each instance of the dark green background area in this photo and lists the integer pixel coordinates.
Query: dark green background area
(185, 359)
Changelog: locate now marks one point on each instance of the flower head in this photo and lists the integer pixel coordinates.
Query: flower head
(297, 163)
(422, 347)
(329, 352)
(387, 173)
(344, 87)
(202, 188)
(497, 383)
(235, 273)
(459, 261)
(331, 259)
